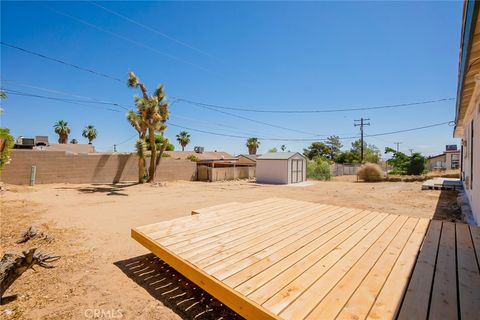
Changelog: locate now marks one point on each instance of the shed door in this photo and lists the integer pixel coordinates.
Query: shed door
(297, 170)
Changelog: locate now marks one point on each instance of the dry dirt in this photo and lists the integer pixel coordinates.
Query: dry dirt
(91, 225)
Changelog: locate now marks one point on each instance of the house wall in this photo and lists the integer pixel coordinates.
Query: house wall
(436, 162)
(272, 171)
(472, 177)
(63, 167)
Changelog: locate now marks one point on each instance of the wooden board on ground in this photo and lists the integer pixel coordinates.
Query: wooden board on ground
(288, 259)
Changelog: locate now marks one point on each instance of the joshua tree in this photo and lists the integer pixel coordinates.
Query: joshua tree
(283, 147)
(62, 129)
(90, 133)
(252, 145)
(153, 112)
(183, 138)
(136, 121)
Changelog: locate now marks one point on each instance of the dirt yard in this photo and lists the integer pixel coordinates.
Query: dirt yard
(91, 225)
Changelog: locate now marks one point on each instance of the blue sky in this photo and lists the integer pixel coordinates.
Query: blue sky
(263, 55)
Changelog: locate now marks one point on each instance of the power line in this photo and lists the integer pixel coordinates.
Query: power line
(253, 120)
(306, 140)
(127, 39)
(71, 101)
(91, 101)
(153, 30)
(61, 61)
(348, 109)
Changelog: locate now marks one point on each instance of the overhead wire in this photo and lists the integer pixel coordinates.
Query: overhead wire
(189, 46)
(139, 44)
(267, 110)
(60, 61)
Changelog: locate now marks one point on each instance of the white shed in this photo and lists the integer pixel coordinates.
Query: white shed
(281, 168)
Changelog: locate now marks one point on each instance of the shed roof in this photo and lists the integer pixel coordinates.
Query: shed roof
(279, 155)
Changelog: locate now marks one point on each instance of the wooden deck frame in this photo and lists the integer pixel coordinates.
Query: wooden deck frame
(396, 253)
(238, 303)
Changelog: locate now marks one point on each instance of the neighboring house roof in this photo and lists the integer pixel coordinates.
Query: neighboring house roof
(252, 157)
(437, 156)
(469, 64)
(207, 155)
(70, 147)
(279, 155)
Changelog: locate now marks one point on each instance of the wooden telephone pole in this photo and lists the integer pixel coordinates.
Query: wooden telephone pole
(361, 123)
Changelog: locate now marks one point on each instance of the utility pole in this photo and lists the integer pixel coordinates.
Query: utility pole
(398, 145)
(361, 123)
(411, 151)
(114, 148)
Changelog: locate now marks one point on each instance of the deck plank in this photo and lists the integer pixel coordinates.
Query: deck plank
(416, 301)
(468, 274)
(223, 248)
(370, 271)
(195, 234)
(240, 237)
(444, 292)
(374, 242)
(260, 272)
(254, 250)
(325, 253)
(179, 224)
(390, 297)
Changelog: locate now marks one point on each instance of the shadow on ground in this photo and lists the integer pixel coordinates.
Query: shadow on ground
(108, 189)
(447, 207)
(174, 290)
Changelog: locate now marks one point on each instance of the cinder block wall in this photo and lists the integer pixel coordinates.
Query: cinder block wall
(61, 167)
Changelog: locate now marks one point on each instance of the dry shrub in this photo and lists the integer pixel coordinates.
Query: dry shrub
(370, 172)
(394, 178)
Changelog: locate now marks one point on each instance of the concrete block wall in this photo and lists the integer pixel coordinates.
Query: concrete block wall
(62, 167)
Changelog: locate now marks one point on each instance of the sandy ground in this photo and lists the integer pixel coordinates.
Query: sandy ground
(91, 229)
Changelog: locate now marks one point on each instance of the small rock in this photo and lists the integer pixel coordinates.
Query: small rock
(8, 312)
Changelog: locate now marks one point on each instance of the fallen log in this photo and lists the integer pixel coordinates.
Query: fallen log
(12, 266)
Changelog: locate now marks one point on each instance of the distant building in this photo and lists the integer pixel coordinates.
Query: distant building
(204, 155)
(449, 159)
(247, 159)
(467, 113)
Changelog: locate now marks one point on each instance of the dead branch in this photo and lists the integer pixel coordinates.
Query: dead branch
(12, 266)
(31, 232)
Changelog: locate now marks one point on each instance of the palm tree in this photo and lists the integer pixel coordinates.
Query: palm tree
(90, 133)
(153, 111)
(183, 138)
(62, 129)
(252, 145)
(283, 147)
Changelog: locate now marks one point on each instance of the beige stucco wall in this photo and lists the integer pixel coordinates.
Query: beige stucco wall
(62, 167)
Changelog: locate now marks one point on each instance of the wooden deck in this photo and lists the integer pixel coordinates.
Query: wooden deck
(287, 259)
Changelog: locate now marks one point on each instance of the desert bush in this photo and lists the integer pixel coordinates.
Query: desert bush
(370, 172)
(192, 158)
(6, 145)
(318, 169)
